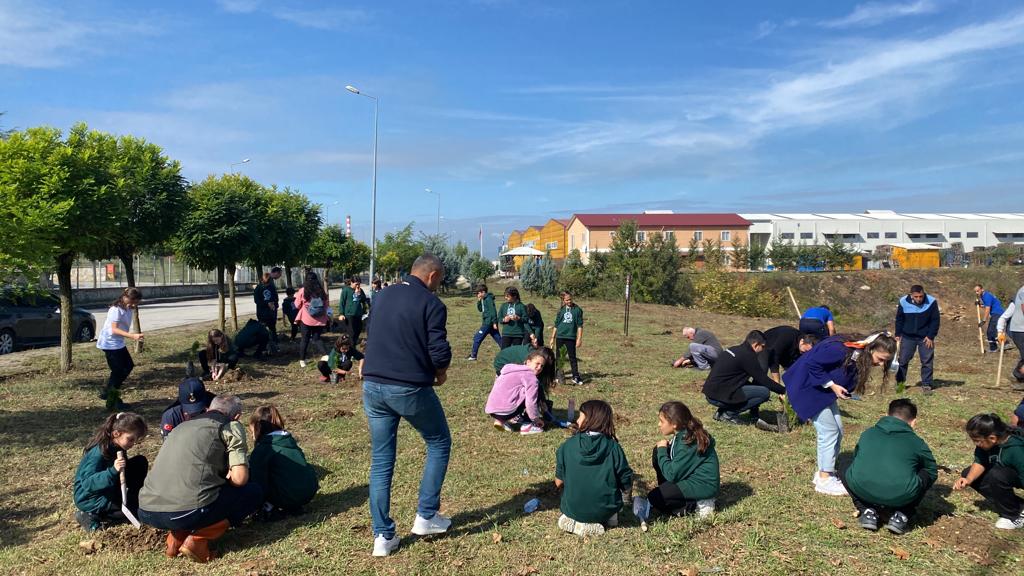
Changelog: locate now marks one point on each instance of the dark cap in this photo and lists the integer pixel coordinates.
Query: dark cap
(193, 396)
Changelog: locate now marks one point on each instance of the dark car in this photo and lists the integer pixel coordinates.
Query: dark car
(34, 320)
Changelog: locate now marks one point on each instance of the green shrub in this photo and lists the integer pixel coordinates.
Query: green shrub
(736, 294)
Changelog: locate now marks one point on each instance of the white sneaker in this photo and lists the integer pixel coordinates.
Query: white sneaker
(384, 547)
(831, 486)
(582, 529)
(436, 525)
(302, 363)
(705, 508)
(1008, 524)
(530, 428)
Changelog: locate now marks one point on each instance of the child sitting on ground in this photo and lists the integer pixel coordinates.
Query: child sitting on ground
(279, 466)
(343, 357)
(892, 469)
(98, 479)
(516, 394)
(592, 471)
(998, 468)
(219, 355)
(686, 466)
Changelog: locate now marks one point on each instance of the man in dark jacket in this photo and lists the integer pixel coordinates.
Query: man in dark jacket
(783, 345)
(407, 354)
(737, 383)
(917, 325)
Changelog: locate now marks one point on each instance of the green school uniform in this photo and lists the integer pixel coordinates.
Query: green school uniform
(535, 326)
(568, 322)
(352, 305)
(516, 328)
(1009, 453)
(97, 483)
(488, 314)
(595, 471)
(279, 466)
(694, 473)
(512, 355)
(885, 464)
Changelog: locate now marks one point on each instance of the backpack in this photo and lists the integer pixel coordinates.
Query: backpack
(315, 306)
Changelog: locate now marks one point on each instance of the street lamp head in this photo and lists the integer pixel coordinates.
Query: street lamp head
(245, 161)
(352, 89)
(428, 190)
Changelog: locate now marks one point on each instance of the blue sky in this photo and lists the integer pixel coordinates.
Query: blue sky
(517, 111)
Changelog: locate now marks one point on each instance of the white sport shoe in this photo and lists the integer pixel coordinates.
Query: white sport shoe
(437, 525)
(302, 363)
(582, 529)
(831, 486)
(1008, 524)
(530, 428)
(384, 547)
(705, 508)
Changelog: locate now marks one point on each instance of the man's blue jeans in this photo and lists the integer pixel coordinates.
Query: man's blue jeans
(756, 395)
(482, 334)
(385, 405)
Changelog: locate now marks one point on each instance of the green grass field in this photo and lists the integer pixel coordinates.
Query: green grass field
(770, 521)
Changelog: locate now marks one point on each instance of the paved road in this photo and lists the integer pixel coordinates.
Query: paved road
(156, 315)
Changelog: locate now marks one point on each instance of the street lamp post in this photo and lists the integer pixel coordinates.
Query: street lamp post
(327, 207)
(373, 196)
(438, 194)
(231, 168)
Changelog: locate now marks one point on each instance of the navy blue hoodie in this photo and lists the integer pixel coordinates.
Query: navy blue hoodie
(918, 321)
(409, 342)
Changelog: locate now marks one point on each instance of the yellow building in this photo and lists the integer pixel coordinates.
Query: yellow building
(552, 239)
(530, 239)
(915, 256)
(591, 233)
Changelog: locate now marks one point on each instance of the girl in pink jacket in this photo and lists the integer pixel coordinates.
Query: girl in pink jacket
(515, 394)
(311, 303)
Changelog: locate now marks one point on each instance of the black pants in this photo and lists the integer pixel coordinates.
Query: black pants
(325, 368)
(233, 503)
(121, 365)
(507, 341)
(908, 510)
(269, 319)
(355, 327)
(570, 351)
(996, 485)
(1018, 341)
(310, 333)
(230, 359)
(667, 498)
(814, 326)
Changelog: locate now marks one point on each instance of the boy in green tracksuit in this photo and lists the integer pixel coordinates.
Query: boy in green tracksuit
(567, 332)
(352, 306)
(279, 466)
(512, 316)
(488, 320)
(892, 469)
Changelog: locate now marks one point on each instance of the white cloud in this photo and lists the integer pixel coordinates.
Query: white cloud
(874, 13)
(239, 6)
(765, 29)
(323, 19)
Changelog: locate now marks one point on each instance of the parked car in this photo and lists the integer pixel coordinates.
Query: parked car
(34, 320)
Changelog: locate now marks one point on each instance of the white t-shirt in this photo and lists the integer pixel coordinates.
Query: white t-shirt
(107, 340)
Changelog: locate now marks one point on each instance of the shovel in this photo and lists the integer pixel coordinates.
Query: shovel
(999, 366)
(124, 498)
(894, 366)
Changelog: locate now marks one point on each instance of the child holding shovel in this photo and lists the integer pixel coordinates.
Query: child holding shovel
(98, 478)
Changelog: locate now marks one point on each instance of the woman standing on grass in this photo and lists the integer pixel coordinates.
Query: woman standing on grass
(111, 341)
(832, 370)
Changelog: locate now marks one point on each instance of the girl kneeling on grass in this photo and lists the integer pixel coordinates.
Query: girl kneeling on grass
(592, 471)
(686, 465)
(279, 466)
(342, 357)
(98, 479)
(998, 468)
(517, 394)
(832, 370)
(219, 356)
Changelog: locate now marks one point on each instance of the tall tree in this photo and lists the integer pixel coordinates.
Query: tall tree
(150, 187)
(740, 255)
(219, 227)
(782, 254)
(660, 281)
(397, 252)
(328, 250)
(758, 255)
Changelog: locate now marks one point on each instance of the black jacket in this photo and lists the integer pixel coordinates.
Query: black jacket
(918, 321)
(409, 342)
(782, 348)
(736, 367)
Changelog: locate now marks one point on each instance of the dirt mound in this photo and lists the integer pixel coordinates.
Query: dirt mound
(235, 375)
(130, 540)
(972, 537)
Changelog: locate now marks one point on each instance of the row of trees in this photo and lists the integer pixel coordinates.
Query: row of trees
(103, 196)
(398, 250)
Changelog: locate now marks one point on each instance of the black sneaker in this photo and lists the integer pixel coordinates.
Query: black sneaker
(729, 418)
(898, 523)
(869, 519)
(87, 521)
(103, 393)
(762, 425)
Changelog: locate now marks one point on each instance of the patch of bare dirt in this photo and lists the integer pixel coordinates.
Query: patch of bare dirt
(130, 540)
(972, 537)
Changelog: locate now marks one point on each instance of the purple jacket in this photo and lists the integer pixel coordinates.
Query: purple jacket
(815, 368)
(517, 384)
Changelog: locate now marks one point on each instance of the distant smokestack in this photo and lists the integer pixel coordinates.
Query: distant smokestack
(348, 226)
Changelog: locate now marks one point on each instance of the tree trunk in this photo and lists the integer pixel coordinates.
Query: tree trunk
(288, 276)
(64, 263)
(129, 274)
(220, 295)
(259, 272)
(231, 290)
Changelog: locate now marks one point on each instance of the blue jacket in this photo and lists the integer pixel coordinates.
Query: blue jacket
(996, 307)
(409, 341)
(918, 321)
(806, 377)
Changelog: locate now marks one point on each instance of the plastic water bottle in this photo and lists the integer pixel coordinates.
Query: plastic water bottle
(531, 506)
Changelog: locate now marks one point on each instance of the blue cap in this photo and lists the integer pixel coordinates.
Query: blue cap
(193, 396)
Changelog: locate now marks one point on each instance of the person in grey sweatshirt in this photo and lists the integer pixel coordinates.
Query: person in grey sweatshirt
(704, 349)
(1012, 321)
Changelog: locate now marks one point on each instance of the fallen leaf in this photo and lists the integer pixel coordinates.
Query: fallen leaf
(691, 571)
(900, 553)
(836, 562)
(839, 523)
(527, 570)
(496, 537)
(89, 546)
